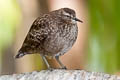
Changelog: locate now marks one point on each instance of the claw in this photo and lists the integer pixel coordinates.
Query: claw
(51, 69)
(64, 68)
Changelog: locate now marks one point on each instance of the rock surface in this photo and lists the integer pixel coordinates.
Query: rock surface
(60, 75)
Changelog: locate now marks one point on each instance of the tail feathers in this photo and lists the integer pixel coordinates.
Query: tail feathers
(20, 54)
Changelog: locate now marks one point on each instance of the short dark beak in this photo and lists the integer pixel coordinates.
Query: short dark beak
(76, 19)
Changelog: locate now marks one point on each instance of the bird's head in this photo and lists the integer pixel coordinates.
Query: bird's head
(69, 15)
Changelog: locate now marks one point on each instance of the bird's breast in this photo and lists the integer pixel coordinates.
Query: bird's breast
(61, 41)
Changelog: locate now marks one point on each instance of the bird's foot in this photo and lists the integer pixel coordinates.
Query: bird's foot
(64, 68)
(78, 69)
(51, 69)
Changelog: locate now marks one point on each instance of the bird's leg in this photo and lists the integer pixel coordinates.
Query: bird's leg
(60, 63)
(46, 62)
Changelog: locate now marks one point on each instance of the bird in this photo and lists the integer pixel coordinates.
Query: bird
(51, 35)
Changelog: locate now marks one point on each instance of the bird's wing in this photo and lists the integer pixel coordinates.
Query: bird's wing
(38, 31)
(35, 37)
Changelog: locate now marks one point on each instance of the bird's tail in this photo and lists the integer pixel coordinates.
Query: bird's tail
(20, 54)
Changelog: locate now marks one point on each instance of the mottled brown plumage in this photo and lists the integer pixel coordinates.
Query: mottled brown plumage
(52, 34)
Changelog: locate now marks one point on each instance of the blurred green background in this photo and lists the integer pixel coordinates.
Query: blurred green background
(103, 42)
(104, 38)
(10, 17)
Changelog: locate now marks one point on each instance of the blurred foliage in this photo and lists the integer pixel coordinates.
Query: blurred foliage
(9, 18)
(104, 38)
(37, 62)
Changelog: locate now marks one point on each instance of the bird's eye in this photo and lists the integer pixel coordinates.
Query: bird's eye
(67, 15)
